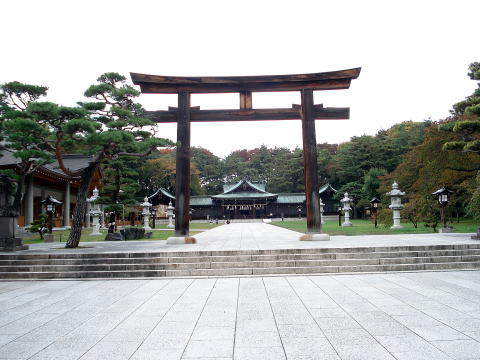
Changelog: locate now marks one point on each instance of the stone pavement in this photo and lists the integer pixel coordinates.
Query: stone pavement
(251, 236)
(403, 316)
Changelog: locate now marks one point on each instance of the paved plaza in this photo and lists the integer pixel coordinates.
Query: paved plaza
(253, 236)
(403, 316)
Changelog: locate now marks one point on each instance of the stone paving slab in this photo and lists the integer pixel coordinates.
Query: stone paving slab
(427, 315)
(253, 236)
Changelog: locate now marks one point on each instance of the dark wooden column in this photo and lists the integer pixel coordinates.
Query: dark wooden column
(310, 162)
(182, 187)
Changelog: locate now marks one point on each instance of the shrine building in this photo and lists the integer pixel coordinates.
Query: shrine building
(248, 200)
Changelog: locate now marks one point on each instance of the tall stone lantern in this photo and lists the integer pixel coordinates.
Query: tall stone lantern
(8, 217)
(170, 209)
(146, 213)
(346, 201)
(322, 205)
(95, 212)
(396, 204)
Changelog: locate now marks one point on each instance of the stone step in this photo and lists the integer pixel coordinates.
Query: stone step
(312, 251)
(241, 262)
(235, 264)
(241, 271)
(240, 258)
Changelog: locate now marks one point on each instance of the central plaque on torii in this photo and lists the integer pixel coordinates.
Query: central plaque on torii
(307, 111)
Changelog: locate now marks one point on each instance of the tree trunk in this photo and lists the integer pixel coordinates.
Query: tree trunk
(81, 207)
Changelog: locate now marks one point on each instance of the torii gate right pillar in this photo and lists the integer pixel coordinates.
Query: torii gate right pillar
(314, 224)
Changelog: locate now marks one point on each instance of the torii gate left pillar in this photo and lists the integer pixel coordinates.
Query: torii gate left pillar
(182, 182)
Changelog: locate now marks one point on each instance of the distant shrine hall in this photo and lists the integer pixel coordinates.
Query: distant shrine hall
(248, 200)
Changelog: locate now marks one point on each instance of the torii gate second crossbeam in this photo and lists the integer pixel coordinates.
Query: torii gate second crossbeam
(308, 112)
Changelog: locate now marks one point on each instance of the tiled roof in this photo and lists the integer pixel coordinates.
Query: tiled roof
(245, 195)
(327, 187)
(203, 200)
(291, 198)
(255, 187)
(163, 192)
(73, 162)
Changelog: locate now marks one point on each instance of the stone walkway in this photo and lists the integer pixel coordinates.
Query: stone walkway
(251, 236)
(403, 316)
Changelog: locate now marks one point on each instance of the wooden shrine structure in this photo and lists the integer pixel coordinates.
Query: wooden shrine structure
(307, 111)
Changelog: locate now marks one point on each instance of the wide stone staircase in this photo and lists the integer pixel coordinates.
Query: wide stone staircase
(238, 263)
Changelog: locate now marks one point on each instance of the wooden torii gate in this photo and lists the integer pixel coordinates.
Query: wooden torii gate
(308, 112)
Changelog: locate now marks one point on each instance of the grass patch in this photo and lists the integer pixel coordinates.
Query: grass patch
(366, 227)
(62, 236)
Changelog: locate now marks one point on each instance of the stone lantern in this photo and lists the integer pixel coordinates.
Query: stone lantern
(170, 209)
(95, 213)
(146, 213)
(346, 202)
(8, 217)
(321, 211)
(396, 204)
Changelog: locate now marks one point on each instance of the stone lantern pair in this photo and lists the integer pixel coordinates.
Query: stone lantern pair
(396, 205)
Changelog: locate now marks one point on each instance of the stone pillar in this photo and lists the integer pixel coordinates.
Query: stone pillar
(29, 201)
(66, 206)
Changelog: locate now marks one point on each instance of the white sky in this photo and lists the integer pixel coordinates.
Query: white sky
(414, 56)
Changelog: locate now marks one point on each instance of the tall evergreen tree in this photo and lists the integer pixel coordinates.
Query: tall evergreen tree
(23, 136)
(112, 127)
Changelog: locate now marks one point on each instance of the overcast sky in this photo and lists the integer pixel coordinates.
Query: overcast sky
(414, 56)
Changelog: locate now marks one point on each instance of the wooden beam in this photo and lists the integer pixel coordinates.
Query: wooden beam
(316, 81)
(320, 113)
(335, 84)
(314, 225)
(174, 108)
(182, 186)
(245, 99)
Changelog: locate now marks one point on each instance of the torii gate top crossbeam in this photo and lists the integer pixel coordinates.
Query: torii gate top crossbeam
(158, 84)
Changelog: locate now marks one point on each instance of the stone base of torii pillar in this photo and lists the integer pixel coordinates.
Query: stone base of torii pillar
(181, 240)
(315, 237)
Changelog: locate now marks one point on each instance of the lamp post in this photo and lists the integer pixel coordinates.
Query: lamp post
(396, 205)
(299, 212)
(374, 206)
(50, 204)
(153, 212)
(339, 211)
(346, 201)
(442, 197)
(170, 215)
